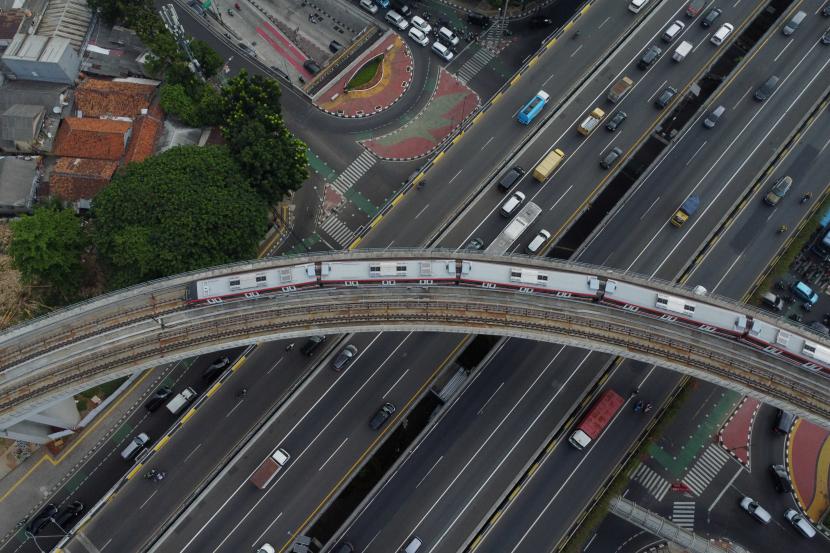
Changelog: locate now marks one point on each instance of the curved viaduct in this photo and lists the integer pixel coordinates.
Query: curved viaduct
(53, 357)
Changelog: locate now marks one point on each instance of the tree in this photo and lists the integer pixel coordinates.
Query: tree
(187, 208)
(114, 11)
(46, 248)
(209, 60)
(272, 158)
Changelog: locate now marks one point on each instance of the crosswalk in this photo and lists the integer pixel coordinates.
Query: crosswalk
(651, 481)
(705, 469)
(337, 230)
(475, 64)
(683, 514)
(356, 169)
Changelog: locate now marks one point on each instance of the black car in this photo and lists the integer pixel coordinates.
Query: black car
(649, 57)
(474, 244)
(614, 123)
(510, 178)
(312, 344)
(610, 158)
(780, 478)
(825, 11)
(404, 10)
(478, 19)
(386, 410)
(665, 97)
(69, 514)
(158, 398)
(710, 17)
(335, 46)
(216, 368)
(42, 519)
(825, 38)
(344, 357)
(539, 21)
(311, 66)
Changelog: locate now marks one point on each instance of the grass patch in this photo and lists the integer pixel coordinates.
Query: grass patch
(365, 75)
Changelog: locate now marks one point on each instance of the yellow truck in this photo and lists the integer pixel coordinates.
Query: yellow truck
(548, 165)
(591, 122)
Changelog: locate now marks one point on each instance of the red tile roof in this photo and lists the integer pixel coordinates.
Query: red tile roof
(145, 133)
(75, 178)
(92, 138)
(100, 97)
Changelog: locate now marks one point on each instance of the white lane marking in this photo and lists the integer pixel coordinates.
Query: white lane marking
(727, 271)
(705, 38)
(552, 75)
(741, 99)
(784, 49)
(560, 198)
(726, 487)
(421, 481)
(259, 538)
(506, 455)
(148, 499)
(392, 387)
(195, 449)
(489, 398)
(389, 245)
(735, 5)
(274, 366)
(577, 50)
(658, 91)
(696, 152)
(488, 142)
(420, 212)
(106, 544)
(333, 453)
(825, 146)
(606, 20)
(456, 175)
(235, 407)
(657, 199)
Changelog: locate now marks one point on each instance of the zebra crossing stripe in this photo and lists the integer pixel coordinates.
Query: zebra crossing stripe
(705, 469)
(356, 169)
(475, 64)
(656, 485)
(683, 514)
(337, 230)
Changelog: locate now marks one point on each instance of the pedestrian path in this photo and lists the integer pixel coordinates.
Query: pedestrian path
(683, 514)
(337, 230)
(356, 169)
(651, 481)
(706, 468)
(475, 64)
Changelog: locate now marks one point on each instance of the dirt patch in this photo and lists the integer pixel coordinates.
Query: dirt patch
(15, 301)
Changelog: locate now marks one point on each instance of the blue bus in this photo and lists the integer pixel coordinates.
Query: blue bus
(533, 107)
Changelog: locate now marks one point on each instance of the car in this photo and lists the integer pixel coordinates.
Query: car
(448, 37)
(695, 7)
(616, 120)
(478, 19)
(381, 416)
(383, 4)
(158, 398)
(444, 52)
(335, 46)
(825, 11)
(649, 57)
(403, 9)
(825, 38)
(610, 158)
(781, 479)
(803, 292)
(343, 547)
(665, 97)
(673, 31)
(369, 6)
(418, 36)
(531, 109)
(343, 358)
(266, 548)
(311, 66)
(419, 23)
(778, 191)
(539, 21)
(230, 12)
(43, 518)
(541, 238)
(312, 344)
(68, 514)
(722, 34)
(512, 203)
(800, 523)
(216, 368)
(510, 178)
(397, 20)
(710, 17)
(751, 506)
(765, 90)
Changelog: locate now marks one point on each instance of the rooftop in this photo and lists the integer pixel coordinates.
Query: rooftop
(92, 138)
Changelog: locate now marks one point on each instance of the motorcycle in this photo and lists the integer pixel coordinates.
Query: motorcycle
(638, 406)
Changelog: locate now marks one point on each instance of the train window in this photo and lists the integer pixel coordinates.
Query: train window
(543, 278)
(285, 275)
(234, 283)
(261, 278)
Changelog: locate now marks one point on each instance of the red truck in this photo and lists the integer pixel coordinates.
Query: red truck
(269, 468)
(596, 419)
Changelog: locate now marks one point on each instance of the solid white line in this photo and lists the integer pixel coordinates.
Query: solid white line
(333, 453)
(726, 487)
(727, 271)
(741, 99)
(235, 407)
(560, 198)
(577, 50)
(274, 366)
(419, 213)
(606, 20)
(259, 538)
(824, 147)
(489, 398)
(587, 545)
(784, 49)
(488, 142)
(106, 544)
(421, 481)
(192, 452)
(552, 75)
(395, 384)
(148, 499)
(458, 173)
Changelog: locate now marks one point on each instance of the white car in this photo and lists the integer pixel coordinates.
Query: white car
(369, 6)
(800, 523)
(422, 25)
(266, 548)
(397, 20)
(751, 506)
(722, 34)
(448, 37)
(418, 36)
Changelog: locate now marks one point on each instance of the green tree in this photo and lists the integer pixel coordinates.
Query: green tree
(175, 101)
(46, 248)
(209, 60)
(115, 11)
(185, 209)
(272, 158)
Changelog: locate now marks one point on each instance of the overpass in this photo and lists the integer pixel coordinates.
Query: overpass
(49, 359)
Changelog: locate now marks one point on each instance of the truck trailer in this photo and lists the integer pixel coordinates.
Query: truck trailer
(596, 419)
(269, 468)
(590, 122)
(548, 165)
(620, 89)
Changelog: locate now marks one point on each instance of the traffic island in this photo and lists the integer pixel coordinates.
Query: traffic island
(808, 460)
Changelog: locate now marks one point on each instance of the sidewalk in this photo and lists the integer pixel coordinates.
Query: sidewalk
(25, 489)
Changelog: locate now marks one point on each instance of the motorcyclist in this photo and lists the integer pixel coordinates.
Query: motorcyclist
(242, 392)
(782, 229)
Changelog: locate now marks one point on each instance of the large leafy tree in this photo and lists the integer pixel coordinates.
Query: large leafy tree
(209, 60)
(184, 209)
(273, 159)
(46, 248)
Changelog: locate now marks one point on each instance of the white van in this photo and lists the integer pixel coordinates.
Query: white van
(134, 446)
(448, 36)
(793, 24)
(712, 119)
(537, 242)
(512, 203)
(180, 400)
(442, 51)
(682, 51)
(637, 5)
(413, 546)
(369, 6)
(722, 34)
(673, 31)
(397, 20)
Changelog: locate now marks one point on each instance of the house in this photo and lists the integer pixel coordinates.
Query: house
(19, 127)
(42, 58)
(113, 98)
(74, 179)
(92, 138)
(18, 185)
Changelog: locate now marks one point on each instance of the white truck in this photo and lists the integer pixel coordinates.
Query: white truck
(269, 468)
(514, 229)
(181, 400)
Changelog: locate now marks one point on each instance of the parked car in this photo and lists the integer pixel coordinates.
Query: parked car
(710, 17)
(800, 523)
(69, 514)
(311, 66)
(158, 398)
(369, 6)
(616, 120)
(343, 358)
(418, 36)
(381, 416)
(419, 23)
(781, 478)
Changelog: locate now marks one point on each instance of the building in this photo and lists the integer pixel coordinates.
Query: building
(113, 98)
(92, 138)
(18, 185)
(42, 58)
(75, 179)
(19, 127)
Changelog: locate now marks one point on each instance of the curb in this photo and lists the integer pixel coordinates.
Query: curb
(748, 433)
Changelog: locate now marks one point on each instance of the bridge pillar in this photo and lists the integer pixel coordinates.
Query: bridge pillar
(40, 427)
